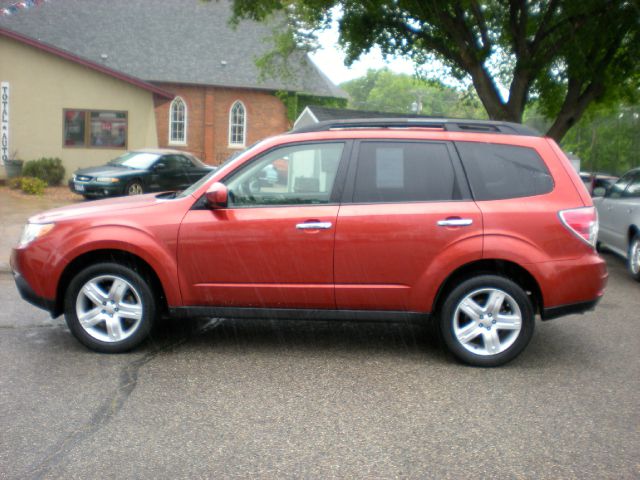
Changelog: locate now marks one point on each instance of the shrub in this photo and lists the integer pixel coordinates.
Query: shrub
(48, 169)
(32, 185)
(15, 183)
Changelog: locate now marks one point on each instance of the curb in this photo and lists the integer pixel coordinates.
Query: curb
(4, 268)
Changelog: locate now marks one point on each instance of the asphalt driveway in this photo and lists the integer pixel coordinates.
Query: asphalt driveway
(217, 398)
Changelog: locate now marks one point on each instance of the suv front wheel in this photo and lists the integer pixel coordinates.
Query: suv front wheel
(109, 308)
(487, 321)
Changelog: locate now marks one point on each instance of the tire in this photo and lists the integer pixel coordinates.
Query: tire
(633, 257)
(118, 306)
(134, 188)
(485, 335)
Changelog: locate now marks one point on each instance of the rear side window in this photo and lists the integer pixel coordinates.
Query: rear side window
(497, 172)
(390, 172)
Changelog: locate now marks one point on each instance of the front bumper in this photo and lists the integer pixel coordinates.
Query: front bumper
(95, 189)
(27, 293)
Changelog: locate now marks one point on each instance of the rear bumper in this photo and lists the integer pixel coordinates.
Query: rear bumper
(571, 286)
(562, 310)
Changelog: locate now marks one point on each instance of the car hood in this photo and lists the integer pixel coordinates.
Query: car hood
(106, 171)
(96, 208)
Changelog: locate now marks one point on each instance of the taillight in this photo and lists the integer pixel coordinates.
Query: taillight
(582, 222)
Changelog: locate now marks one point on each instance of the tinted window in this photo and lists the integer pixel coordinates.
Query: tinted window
(299, 174)
(404, 172)
(504, 171)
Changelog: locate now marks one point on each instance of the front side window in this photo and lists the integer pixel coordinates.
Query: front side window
(237, 124)
(618, 188)
(633, 190)
(295, 175)
(497, 172)
(95, 129)
(389, 172)
(178, 122)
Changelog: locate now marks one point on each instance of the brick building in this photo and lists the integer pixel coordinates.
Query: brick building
(220, 102)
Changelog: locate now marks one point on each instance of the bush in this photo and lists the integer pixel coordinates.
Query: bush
(15, 183)
(32, 185)
(48, 169)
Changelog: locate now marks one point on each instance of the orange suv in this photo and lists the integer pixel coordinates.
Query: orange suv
(479, 225)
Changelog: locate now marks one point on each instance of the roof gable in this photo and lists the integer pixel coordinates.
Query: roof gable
(86, 63)
(166, 41)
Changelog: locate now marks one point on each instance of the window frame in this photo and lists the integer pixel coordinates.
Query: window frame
(335, 197)
(230, 125)
(183, 142)
(460, 178)
(87, 129)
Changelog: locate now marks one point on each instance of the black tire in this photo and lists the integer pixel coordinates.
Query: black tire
(633, 257)
(134, 187)
(127, 312)
(482, 332)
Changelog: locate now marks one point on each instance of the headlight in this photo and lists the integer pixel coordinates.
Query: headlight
(34, 230)
(107, 180)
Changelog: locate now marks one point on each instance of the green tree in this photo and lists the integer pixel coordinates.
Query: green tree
(564, 54)
(386, 91)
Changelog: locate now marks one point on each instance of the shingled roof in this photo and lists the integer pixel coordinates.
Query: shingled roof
(166, 41)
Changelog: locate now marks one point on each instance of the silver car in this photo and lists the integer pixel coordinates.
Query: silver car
(619, 214)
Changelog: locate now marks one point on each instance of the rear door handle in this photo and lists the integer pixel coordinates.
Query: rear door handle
(455, 222)
(314, 226)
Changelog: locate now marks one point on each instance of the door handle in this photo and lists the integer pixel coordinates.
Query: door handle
(455, 222)
(314, 226)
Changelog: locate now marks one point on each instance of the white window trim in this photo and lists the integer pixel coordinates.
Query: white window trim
(244, 125)
(186, 122)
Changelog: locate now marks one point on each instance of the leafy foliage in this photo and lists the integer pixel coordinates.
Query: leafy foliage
(564, 54)
(295, 103)
(32, 185)
(385, 91)
(50, 170)
(15, 183)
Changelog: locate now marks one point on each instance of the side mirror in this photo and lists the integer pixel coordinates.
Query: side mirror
(160, 166)
(217, 196)
(599, 192)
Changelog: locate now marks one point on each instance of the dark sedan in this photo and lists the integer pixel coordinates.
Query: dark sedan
(138, 172)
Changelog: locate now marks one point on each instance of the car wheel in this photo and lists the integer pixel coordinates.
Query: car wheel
(487, 321)
(633, 258)
(134, 188)
(109, 308)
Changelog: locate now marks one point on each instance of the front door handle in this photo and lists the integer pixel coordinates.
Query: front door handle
(314, 226)
(455, 222)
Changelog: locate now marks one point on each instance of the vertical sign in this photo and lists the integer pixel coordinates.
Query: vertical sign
(4, 122)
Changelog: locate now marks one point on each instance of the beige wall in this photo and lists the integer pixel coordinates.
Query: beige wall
(42, 85)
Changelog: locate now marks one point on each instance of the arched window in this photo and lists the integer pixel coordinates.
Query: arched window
(237, 125)
(178, 122)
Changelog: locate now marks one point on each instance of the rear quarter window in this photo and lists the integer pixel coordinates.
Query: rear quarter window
(497, 172)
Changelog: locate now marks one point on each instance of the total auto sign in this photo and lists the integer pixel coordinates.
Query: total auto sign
(4, 122)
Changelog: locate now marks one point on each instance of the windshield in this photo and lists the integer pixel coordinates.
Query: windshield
(139, 160)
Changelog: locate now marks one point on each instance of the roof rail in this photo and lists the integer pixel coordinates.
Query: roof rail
(447, 124)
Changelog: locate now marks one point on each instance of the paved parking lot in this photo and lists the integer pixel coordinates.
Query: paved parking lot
(248, 399)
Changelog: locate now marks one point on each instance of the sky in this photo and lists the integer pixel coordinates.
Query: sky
(330, 59)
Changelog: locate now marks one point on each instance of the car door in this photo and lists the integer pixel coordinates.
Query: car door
(613, 214)
(406, 217)
(273, 246)
(168, 173)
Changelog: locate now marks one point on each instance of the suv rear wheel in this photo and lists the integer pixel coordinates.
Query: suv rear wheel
(487, 321)
(109, 308)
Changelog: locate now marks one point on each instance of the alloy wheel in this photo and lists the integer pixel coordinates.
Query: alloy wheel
(634, 256)
(109, 308)
(487, 321)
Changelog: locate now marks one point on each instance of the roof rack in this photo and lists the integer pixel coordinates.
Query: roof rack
(446, 124)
